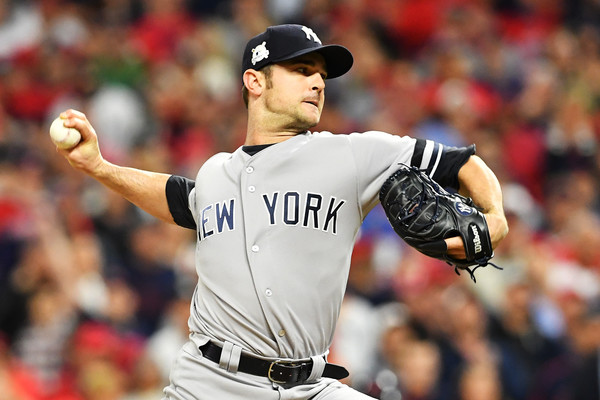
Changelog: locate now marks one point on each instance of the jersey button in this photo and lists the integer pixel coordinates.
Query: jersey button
(269, 292)
(281, 333)
(251, 189)
(249, 170)
(255, 248)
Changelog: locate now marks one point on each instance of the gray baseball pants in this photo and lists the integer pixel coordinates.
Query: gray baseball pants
(194, 377)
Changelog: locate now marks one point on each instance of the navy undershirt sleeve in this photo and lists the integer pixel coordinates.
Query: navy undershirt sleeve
(177, 190)
(441, 162)
(452, 160)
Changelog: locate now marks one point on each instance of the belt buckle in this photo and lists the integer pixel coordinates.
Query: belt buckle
(278, 362)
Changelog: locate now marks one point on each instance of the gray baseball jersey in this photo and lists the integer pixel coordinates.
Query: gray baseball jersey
(275, 232)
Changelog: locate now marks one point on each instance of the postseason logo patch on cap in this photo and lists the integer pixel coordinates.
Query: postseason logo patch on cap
(259, 53)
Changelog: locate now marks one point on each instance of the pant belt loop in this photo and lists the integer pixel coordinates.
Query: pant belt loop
(317, 368)
(225, 355)
(234, 360)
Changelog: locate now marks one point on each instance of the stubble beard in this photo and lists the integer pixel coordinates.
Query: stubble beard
(301, 123)
(296, 120)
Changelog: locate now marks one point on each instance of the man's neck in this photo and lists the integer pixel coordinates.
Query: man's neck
(267, 128)
(258, 134)
(258, 139)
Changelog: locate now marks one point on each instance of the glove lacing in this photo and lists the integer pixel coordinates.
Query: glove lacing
(471, 271)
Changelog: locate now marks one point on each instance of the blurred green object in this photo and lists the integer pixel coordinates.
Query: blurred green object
(127, 70)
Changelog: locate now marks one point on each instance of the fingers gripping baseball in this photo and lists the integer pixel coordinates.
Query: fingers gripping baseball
(85, 155)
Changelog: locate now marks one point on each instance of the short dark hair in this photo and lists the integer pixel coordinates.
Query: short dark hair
(268, 73)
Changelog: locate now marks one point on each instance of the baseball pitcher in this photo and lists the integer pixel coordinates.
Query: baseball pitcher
(276, 221)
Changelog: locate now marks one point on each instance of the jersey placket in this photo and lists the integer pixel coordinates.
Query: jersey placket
(255, 232)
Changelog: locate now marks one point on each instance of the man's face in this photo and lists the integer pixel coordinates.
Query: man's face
(295, 91)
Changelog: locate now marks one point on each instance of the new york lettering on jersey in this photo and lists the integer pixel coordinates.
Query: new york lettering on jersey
(312, 210)
(215, 218)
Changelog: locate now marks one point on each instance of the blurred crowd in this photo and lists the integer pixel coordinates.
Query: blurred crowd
(94, 293)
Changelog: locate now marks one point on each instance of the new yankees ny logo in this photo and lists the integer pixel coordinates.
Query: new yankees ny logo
(311, 35)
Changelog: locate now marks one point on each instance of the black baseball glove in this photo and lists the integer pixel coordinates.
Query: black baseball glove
(424, 214)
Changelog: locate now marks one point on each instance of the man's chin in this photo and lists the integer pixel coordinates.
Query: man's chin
(304, 125)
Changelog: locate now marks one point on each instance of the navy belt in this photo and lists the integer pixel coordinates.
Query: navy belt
(279, 371)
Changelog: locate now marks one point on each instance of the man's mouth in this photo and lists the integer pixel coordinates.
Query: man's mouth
(313, 102)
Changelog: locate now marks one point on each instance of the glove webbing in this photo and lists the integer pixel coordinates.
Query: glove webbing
(417, 208)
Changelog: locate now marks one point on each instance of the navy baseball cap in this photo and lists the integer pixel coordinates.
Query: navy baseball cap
(284, 42)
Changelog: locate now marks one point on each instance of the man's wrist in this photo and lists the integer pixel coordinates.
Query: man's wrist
(100, 169)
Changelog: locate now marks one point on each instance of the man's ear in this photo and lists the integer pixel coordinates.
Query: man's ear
(254, 82)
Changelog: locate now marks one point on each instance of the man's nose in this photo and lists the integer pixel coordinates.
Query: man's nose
(318, 82)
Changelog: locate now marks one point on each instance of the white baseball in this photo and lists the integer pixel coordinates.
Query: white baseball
(63, 137)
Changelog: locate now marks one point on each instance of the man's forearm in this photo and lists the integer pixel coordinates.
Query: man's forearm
(479, 182)
(145, 189)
